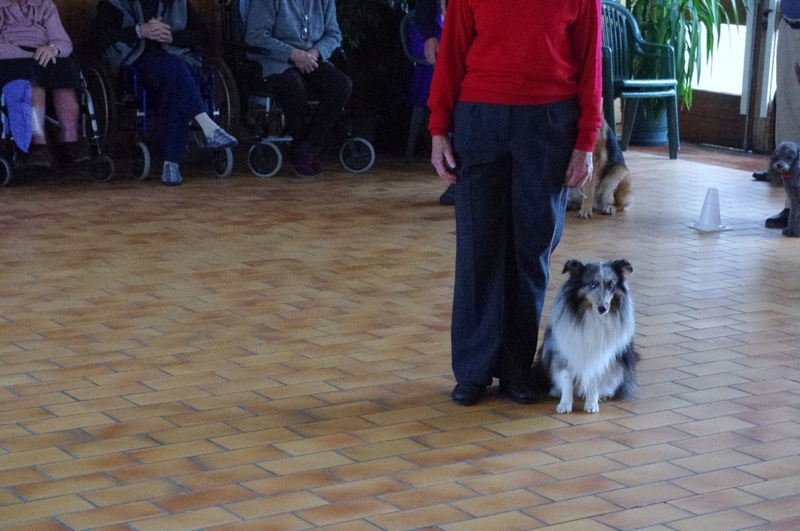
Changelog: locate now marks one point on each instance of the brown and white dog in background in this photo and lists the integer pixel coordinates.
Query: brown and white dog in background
(610, 188)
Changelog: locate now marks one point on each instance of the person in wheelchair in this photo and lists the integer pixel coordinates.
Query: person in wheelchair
(34, 47)
(157, 37)
(298, 39)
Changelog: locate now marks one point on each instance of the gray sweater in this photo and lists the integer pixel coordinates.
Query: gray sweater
(278, 26)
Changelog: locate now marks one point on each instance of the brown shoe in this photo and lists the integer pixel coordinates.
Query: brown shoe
(39, 156)
(303, 165)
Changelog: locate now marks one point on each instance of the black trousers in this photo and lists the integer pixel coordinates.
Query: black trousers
(510, 204)
(326, 84)
(64, 73)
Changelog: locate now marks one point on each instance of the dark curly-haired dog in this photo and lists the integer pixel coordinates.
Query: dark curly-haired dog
(785, 162)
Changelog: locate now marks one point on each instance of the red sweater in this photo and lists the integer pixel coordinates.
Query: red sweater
(519, 52)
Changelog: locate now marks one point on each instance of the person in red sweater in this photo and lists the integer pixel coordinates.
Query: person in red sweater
(515, 107)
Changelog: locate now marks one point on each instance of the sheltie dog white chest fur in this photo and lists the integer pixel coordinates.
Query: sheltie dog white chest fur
(587, 348)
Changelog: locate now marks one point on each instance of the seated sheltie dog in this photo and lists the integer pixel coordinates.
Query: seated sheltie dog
(587, 348)
(610, 188)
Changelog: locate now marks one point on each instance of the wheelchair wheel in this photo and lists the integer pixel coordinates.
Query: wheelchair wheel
(264, 159)
(101, 169)
(140, 161)
(103, 99)
(222, 161)
(226, 96)
(357, 155)
(6, 173)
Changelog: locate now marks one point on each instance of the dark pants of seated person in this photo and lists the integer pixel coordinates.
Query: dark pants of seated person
(64, 73)
(329, 86)
(171, 82)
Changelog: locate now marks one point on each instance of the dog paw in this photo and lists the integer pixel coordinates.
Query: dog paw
(609, 210)
(591, 408)
(564, 408)
(585, 213)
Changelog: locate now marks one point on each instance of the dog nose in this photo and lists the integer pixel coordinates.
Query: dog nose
(602, 310)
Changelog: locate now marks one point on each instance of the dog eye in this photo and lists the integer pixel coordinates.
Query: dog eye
(592, 285)
(610, 286)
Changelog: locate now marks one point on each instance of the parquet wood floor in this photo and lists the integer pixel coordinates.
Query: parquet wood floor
(274, 354)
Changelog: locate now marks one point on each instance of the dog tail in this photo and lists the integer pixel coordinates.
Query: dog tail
(629, 388)
(619, 177)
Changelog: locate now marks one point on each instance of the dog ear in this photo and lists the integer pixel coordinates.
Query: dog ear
(622, 265)
(572, 266)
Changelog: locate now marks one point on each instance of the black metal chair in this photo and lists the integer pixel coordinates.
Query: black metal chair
(624, 49)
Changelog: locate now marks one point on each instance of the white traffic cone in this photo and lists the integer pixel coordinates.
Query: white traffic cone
(709, 217)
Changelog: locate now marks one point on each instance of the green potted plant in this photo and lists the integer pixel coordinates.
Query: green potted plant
(683, 24)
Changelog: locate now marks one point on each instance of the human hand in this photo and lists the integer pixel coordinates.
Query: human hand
(443, 159)
(45, 54)
(304, 61)
(431, 49)
(579, 171)
(156, 30)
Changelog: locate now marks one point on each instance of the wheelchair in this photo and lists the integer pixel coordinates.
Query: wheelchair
(260, 112)
(100, 166)
(125, 109)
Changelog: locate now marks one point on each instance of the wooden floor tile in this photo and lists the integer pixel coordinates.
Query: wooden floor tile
(244, 353)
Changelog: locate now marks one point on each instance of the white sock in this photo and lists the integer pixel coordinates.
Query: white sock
(206, 123)
(36, 127)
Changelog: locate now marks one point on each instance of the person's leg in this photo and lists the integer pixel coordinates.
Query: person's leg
(543, 137)
(482, 205)
(65, 103)
(332, 88)
(170, 79)
(38, 102)
(291, 95)
(787, 102)
(63, 79)
(216, 136)
(39, 155)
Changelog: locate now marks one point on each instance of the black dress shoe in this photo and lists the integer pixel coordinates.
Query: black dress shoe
(39, 156)
(521, 392)
(779, 220)
(762, 176)
(468, 394)
(73, 153)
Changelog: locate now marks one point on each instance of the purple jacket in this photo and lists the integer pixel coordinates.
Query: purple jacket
(33, 23)
(17, 96)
